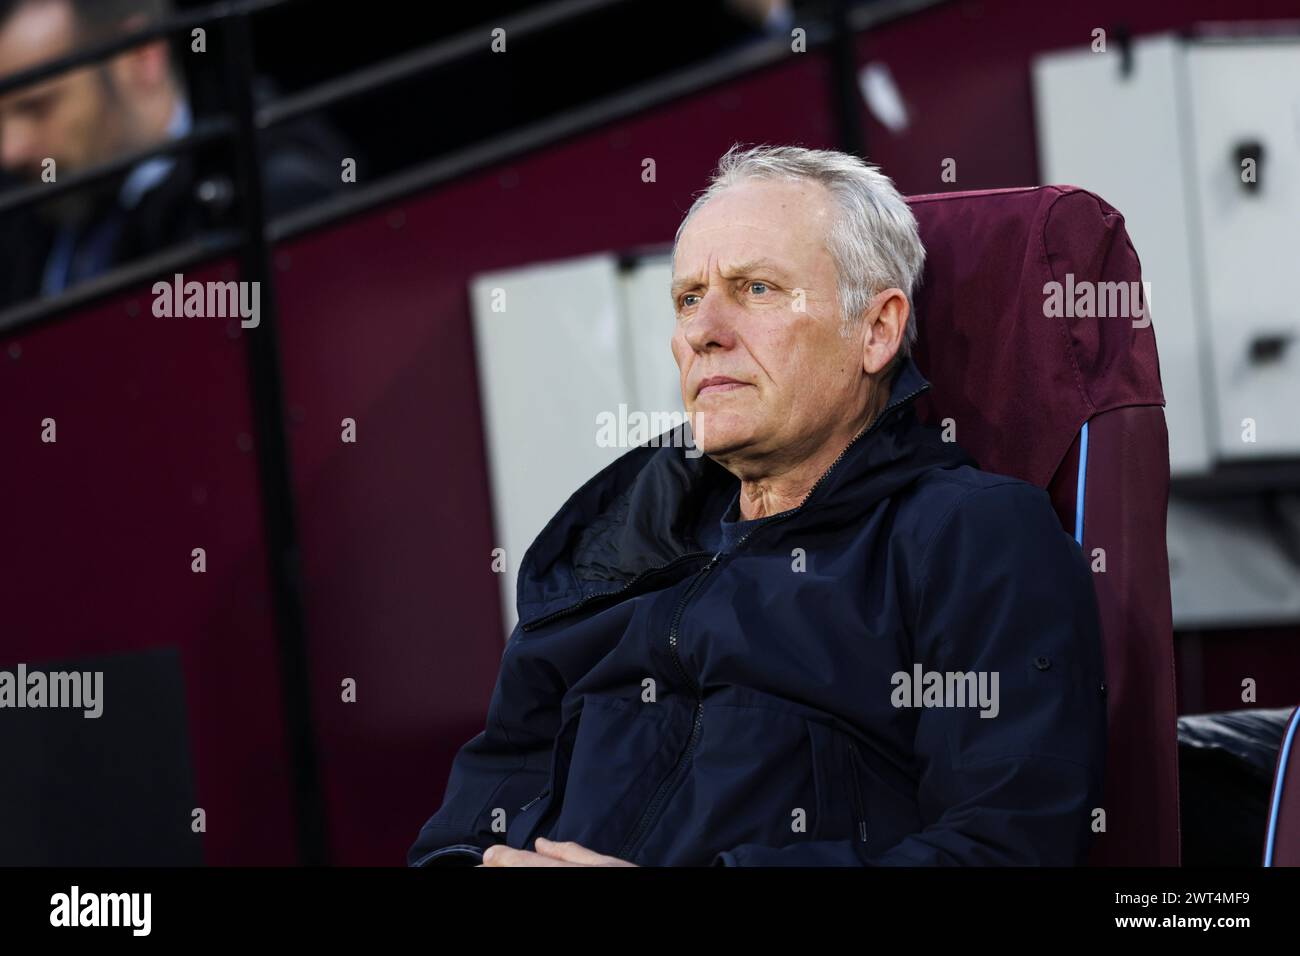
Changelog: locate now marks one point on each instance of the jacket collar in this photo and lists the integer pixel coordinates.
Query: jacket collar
(875, 448)
(639, 514)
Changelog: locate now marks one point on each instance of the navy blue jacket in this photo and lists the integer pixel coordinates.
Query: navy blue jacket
(670, 705)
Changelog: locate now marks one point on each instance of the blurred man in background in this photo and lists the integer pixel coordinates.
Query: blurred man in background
(81, 118)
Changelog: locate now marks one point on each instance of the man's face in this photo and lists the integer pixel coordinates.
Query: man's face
(754, 287)
(71, 118)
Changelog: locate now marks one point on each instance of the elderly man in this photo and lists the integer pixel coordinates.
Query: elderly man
(831, 640)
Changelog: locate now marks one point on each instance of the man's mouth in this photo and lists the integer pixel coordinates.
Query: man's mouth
(719, 383)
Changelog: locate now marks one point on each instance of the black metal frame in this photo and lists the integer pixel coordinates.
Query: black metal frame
(252, 245)
(821, 34)
(205, 131)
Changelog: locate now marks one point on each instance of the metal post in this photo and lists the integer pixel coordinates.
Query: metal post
(845, 99)
(273, 457)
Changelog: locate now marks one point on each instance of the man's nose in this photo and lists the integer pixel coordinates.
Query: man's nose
(713, 324)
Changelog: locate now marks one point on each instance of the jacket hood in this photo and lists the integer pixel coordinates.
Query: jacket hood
(640, 512)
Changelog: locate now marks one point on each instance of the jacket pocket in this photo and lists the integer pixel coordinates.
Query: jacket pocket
(528, 818)
(627, 766)
(821, 749)
(838, 766)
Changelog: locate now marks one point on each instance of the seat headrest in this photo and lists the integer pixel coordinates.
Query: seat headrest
(1017, 378)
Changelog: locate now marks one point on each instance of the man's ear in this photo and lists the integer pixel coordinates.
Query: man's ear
(883, 326)
(145, 67)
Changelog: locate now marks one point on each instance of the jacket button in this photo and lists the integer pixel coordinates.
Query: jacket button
(1042, 663)
(1103, 688)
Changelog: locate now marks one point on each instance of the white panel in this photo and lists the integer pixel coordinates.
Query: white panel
(548, 365)
(1229, 562)
(650, 322)
(1251, 240)
(1119, 136)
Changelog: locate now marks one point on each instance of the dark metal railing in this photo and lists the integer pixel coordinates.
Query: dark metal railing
(162, 28)
(407, 66)
(206, 130)
(820, 34)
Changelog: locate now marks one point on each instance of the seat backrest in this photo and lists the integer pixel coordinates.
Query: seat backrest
(1047, 383)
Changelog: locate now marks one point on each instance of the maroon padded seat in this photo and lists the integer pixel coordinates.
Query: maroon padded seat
(1029, 394)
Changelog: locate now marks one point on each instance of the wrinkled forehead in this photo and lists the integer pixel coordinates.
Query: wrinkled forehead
(786, 221)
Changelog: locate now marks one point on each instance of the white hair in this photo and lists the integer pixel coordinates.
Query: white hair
(873, 241)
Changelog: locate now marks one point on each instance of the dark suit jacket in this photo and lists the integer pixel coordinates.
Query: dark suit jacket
(300, 163)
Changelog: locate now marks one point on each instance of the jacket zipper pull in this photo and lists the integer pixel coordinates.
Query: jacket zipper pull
(855, 768)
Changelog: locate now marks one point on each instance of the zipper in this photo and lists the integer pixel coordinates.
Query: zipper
(633, 843)
(855, 774)
(651, 813)
(541, 821)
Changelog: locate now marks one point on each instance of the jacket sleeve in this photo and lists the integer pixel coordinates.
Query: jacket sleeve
(1007, 591)
(498, 771)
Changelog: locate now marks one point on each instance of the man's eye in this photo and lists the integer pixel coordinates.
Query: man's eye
(686, 299)
(758, 288)
(35, 107)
